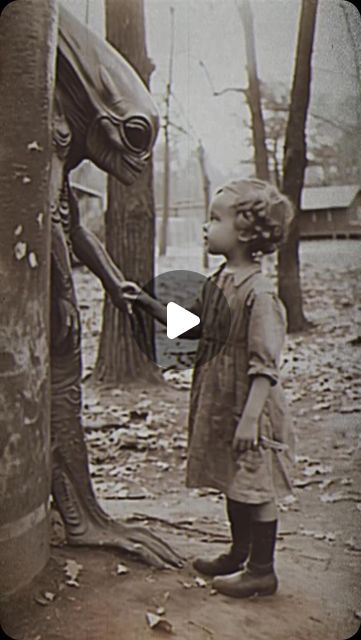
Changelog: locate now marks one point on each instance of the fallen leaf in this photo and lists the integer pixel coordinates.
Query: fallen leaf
(353, 408)
(157, 622)
(351, 545)
(42, 601)
(321, 405)
(160, 611)
(317, 469)
(330, 536)
(357, 615)
(307, 532)
(122, 569)
(333, 497)
(346, 481)
(72, 569)
(200, 582)
(326, 483)
(187, 585)
(34, 146)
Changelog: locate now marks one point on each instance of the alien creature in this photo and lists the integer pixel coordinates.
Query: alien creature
(102, 112)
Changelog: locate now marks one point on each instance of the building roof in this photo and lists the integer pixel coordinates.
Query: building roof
(333, 197)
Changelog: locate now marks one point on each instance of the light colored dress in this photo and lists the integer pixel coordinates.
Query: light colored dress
(221, 385)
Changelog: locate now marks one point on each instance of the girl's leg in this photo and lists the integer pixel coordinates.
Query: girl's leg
(259, 576)
(239, 515)
(264, 530)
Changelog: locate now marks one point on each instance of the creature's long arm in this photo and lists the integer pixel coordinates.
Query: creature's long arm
(90, 251)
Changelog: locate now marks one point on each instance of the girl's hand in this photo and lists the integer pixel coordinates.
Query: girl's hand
(130, 290)
(246, 436)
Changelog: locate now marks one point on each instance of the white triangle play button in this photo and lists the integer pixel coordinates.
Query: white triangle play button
(179, 320)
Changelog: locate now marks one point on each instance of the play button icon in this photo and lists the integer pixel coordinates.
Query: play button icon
(195, 320)
(179, 320)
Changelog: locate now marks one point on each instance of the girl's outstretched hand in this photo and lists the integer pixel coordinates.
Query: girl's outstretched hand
(246, 435)
(131, 290)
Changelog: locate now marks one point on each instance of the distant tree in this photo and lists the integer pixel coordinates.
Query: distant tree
(253, 93)
(294, 165)
(130, 223)
(334, 144)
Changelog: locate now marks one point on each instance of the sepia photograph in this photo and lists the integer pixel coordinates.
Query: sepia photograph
(180, 319)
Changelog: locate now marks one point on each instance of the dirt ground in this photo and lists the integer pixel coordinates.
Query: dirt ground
(137, 444)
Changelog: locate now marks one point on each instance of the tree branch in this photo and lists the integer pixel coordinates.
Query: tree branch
(222, 91)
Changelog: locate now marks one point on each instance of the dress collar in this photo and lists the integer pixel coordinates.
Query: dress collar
(240, 275)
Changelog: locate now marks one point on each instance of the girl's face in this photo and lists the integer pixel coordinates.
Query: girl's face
(220, 232)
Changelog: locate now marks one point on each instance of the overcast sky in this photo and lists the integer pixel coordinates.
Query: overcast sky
(211, 31)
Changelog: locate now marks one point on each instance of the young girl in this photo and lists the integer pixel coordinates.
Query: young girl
(240, 433)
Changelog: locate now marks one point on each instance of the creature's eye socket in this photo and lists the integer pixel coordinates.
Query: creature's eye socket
(138, 134)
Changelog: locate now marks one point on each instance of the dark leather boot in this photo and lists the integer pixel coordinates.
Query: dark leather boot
(247, 583)
(258, 578)
(239, 516)
(222, 565)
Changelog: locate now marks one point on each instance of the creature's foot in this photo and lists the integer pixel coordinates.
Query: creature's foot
(131, 539)
(86, 524)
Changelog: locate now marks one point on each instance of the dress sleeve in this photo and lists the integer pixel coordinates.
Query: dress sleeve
(266, 334)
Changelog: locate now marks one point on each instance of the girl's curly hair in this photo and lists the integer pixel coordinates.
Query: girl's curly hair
(268, 212)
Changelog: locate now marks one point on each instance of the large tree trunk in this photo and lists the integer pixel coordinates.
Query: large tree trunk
(130, 223)
(253, 95)
(28, 38)
(295, 159)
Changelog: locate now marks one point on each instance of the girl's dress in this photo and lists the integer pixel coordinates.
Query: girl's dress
(221, 385)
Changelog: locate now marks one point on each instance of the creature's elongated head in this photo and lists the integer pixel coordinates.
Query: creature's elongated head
(112, 116)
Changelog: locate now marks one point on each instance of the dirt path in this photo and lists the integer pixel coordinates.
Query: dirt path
(319, 578)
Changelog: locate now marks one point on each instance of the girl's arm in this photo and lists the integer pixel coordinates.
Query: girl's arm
(152, 306)
(247, 432)
(134, 294)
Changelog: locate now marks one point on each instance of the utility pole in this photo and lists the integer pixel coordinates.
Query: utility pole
(166, 169)
(206, 186)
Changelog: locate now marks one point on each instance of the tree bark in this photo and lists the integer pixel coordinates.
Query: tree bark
(295, 159)
(130, 225)
(28, 36)
(253, 95)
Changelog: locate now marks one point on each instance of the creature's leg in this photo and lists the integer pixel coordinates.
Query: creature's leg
(85, 522)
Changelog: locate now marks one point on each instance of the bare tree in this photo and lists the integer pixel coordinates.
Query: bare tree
(253, 93)
(26, 86)
(295, 159)
(130, 224)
